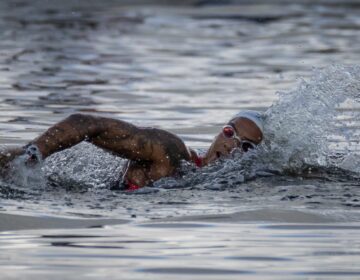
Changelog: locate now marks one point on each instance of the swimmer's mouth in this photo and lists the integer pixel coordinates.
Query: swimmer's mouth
(219, 155)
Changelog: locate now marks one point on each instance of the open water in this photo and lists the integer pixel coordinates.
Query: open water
(289, 210)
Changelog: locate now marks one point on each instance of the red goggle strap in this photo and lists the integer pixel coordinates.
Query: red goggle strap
(131, 187)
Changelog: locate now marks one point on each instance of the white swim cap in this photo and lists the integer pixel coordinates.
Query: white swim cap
(253, 116)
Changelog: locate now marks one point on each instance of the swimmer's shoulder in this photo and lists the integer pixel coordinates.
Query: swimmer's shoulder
(172, 145)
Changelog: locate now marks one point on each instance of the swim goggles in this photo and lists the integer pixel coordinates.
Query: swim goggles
(229, 131)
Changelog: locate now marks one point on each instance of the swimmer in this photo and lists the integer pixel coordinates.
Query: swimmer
(152, 153)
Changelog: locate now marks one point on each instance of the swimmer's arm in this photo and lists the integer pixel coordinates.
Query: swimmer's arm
(155, 153)
(119, 137)
(113, 135)
(116, 136)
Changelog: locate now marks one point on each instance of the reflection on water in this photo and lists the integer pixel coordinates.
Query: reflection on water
(182, 250)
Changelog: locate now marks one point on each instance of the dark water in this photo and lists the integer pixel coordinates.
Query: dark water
(187, 69)
(185, 250)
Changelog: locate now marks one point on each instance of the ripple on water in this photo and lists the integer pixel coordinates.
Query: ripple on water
(226, 250)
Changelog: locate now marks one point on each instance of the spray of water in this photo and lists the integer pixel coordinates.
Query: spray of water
(313, 125)
(302, 125)
(84, 166)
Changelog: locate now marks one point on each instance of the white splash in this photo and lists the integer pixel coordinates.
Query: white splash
(22, 174)
(303, 127)
(309, 126)
(83, 166)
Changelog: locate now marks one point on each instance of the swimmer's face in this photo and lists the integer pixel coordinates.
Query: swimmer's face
(222, 146)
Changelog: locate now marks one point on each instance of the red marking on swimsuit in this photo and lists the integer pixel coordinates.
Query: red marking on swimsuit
(198, 161)
(132, 187)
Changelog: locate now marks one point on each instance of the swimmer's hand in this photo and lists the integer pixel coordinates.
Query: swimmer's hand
(32, 155)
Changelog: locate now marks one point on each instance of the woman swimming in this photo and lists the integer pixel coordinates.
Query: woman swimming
(152, 153)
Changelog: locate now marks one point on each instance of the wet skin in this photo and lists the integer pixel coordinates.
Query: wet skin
(222, 146)
(152, 153)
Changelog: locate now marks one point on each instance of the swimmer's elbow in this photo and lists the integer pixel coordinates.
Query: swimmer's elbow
(78, 117)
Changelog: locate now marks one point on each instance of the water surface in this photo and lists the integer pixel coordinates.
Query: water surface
(187, 69)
